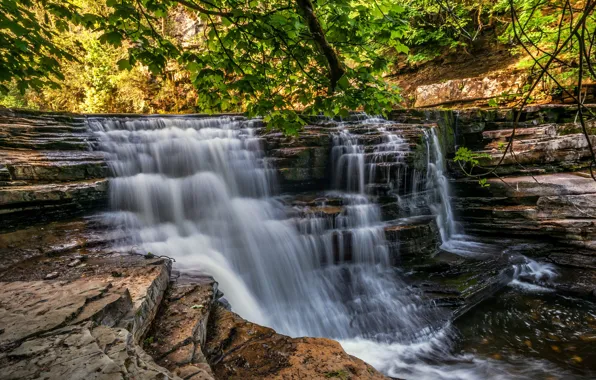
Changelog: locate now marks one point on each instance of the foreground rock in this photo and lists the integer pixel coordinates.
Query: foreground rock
(84, 328)
(179, 333)
(239, 349)
(195, 337)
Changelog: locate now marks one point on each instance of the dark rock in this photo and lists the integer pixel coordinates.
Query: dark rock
(48, 171)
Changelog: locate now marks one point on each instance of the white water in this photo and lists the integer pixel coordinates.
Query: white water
(436, 176)
(530, 275)
(199, 190)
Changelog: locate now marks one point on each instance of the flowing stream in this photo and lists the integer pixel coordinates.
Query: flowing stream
(199, 190)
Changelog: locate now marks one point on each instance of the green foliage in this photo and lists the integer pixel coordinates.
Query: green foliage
(466, 155)
(436, 27)
(27, 54)
(468, 160)
(483, 182)
(262, 58)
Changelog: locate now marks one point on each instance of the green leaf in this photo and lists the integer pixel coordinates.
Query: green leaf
(343, 83)
(112, 38)
(124, 64)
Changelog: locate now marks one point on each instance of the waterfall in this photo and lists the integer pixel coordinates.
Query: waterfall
(438, 199)
(199, 191)
(441, 204)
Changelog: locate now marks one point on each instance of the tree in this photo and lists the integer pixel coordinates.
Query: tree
(280, 59)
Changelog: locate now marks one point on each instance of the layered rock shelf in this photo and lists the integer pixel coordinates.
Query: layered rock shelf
(542, 190)
(47, 168)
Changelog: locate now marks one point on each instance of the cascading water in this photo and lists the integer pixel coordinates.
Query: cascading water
(436, 168)
(199, 190)
(438, 199)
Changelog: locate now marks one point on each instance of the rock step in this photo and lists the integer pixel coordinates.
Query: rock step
(50, 192)
(57, 171)
(68, 143)
(50, 201)
(27, 129)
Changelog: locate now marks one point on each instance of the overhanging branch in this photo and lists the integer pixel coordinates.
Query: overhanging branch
(336, 68)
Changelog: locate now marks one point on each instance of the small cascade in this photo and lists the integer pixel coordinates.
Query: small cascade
(438, 197)
(531, 275)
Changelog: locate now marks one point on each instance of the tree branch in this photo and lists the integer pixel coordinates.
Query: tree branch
(336, 67)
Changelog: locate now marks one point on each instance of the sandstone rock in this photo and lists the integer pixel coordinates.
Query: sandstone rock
(468, 89)
(178, 335)
(81, 352)
(240, 349)
(72, 329)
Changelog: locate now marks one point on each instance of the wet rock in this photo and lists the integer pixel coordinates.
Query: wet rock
(414, 240)
(557, 207)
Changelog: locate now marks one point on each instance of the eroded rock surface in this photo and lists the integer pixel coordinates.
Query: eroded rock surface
(82, 326)
(179, 333)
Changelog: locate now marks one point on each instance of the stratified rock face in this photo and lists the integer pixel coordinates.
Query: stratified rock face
(47, 168)
(544, 190)
(559, 208)
(237, 349)
(302, 162)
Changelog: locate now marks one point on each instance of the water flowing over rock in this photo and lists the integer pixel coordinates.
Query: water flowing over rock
(352, 230)
(201, 191)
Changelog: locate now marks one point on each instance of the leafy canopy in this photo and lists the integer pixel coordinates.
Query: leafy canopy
(279, 59)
